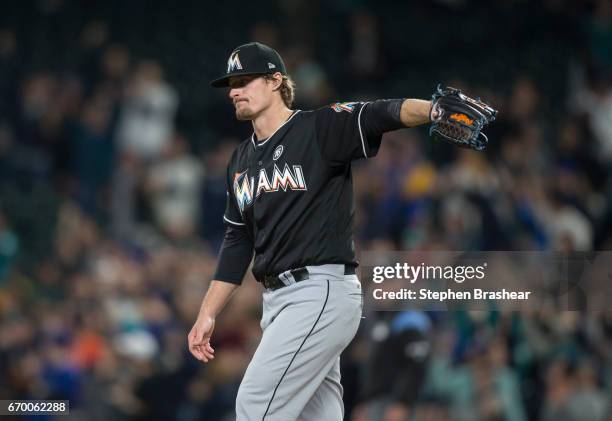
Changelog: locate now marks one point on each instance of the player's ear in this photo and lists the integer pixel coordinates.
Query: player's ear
(277, 80)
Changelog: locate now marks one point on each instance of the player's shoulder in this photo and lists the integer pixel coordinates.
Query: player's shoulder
(348, 107)
(336, 113)
(338, 108)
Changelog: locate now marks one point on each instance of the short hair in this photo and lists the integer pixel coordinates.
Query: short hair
(287, 89)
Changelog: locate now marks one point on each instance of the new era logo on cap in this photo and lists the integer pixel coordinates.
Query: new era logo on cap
(253, 58)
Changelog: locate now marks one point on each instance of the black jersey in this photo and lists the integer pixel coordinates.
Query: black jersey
(292, 193)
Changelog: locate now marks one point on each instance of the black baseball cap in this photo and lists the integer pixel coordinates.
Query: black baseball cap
(253, 58)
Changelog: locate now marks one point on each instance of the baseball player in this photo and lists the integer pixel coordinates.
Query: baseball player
(290, 204)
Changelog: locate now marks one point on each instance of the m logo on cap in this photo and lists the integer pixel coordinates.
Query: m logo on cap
(233, 63)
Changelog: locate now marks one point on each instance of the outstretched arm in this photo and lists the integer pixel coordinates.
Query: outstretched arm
(347, 131)
(384, 115)
(455, 117)
(415, 112)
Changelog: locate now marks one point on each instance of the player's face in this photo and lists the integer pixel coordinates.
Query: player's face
(250, 95)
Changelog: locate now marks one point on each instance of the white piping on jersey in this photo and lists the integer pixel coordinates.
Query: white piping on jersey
(232, 222)
(273, 133)
(360, 131)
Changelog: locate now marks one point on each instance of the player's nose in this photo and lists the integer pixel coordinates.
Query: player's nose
(234, 93)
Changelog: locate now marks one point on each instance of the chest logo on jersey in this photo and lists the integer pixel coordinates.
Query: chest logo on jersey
(277, 152)
(246, 189)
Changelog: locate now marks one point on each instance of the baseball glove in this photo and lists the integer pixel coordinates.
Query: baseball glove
(459, 119)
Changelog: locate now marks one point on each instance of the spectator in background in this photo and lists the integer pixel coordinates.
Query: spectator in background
(173, 185)
(591, 84)
(36, 103)
(146, 122)
(365, 60)
(9, 71)
(588, 401)
(114, 68)
(568, 228)
(598, 30)
(123, 201)
(524, 102)
(92, 152)
(596, 102)
(266, 33)
(396, 365)
(9, 248)
(559, 388)
(7, 147)
(309, 76)
(92, 40)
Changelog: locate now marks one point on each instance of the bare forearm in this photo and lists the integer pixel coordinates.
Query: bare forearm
(415, 112)
(215, 299)
(217, 296)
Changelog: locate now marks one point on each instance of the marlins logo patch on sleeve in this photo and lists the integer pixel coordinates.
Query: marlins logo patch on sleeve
(344, 106)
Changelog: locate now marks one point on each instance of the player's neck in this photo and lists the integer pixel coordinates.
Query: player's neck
(265, 124)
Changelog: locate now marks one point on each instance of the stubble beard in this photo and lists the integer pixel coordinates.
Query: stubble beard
(243, 114)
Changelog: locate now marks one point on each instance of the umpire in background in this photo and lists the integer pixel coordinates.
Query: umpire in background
(290, 211)
(400, 346)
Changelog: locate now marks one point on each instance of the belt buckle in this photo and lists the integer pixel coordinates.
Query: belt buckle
(300, 274)
(286, 278)
(272, 282)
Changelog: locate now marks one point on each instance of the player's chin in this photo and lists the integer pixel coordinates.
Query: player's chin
(243, 114)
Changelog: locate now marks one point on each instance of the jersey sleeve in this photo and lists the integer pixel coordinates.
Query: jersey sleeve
(235, 255)
(232, 215)
(237, 249)
(341, 135)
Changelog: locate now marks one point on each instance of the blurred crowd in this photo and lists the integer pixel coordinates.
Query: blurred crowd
(112, 167)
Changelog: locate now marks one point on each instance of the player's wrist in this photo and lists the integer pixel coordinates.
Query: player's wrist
(434, 112)
(206, 316)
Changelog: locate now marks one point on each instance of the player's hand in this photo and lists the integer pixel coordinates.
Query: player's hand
(199, 338)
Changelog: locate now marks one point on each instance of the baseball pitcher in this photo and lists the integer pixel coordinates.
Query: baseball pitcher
(290, 209)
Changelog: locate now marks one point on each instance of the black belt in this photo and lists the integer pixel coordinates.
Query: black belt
(274, 282)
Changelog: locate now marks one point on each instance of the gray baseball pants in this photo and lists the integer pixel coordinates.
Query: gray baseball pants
(295, 372)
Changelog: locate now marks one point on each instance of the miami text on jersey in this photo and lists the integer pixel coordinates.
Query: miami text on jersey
(245, 189)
